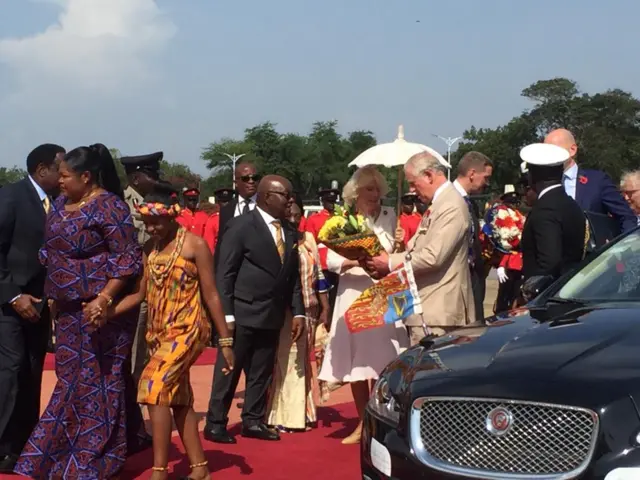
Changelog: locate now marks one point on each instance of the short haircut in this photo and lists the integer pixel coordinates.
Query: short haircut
(421, 162)
(632, 176)
(360, 178)
(44, 154)
(473, 160)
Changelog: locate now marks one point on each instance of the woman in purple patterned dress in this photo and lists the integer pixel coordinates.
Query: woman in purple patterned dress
(92, 255)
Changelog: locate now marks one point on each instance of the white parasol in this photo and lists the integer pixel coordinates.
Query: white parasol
(395, 154)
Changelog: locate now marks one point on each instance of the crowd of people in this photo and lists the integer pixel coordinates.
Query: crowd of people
(137, 282)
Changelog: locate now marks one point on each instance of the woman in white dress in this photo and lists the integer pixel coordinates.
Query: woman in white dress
(359, 358)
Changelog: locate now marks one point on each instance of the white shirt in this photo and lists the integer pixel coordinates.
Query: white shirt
(547, 189)
(268, 219)
(459, 188)
(42, 195)
(569, 178)
(242, 202)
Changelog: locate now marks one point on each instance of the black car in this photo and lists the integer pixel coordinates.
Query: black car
(548, 392)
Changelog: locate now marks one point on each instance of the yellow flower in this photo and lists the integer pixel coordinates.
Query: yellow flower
(332, 228)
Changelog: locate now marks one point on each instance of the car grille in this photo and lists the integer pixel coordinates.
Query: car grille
(539, 440)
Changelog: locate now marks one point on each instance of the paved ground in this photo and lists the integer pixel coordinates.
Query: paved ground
(202, 376)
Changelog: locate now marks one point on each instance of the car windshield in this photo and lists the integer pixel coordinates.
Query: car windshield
(614, 275)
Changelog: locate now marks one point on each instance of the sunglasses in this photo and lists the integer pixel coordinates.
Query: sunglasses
(250, 178)
(285, 195)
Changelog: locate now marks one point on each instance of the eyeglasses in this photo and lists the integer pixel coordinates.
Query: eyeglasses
(285, 195)
(249, 178)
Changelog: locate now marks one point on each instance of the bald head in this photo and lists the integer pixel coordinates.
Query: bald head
(271, 182)
(275, 195)
(562, 137)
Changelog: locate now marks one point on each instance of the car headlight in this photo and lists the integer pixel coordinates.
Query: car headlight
(383, 404)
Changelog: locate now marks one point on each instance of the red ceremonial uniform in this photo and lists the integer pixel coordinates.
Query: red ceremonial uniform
(313, 225)
(410, 223)
(211, 230)
(193, 222)
(316, 221)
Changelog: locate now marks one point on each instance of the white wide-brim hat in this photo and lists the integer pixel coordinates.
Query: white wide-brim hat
(544, 155)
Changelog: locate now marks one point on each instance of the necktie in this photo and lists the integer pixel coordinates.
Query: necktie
(246, 208)
(472, 231)
(279, 239)
(46, 204)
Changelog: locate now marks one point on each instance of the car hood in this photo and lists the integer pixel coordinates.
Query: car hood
(544, 353)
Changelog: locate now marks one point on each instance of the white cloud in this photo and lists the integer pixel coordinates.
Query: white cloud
(96, 46)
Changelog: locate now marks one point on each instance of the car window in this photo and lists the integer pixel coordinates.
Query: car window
(612, 275)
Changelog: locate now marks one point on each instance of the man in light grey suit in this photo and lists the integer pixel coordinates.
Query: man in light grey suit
(438, 252)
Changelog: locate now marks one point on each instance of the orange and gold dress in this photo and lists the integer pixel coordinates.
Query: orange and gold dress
(177, 328)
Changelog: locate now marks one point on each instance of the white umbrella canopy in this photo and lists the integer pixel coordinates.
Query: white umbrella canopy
(394, 154)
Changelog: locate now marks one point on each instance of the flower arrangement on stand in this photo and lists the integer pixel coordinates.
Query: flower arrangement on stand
(348, 234)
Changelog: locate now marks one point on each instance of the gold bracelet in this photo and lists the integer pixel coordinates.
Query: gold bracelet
(107, 298)
(225, 342)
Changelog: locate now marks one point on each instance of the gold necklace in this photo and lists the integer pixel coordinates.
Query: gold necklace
(64, 212)
(158, 272)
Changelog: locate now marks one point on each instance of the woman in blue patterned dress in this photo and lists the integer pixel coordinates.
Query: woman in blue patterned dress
(92, 255)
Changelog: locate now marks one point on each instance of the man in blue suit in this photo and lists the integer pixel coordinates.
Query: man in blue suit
(593, 190)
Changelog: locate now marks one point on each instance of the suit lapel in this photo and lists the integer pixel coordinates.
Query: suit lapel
(581, 193)
(271, 252)
(34, 201)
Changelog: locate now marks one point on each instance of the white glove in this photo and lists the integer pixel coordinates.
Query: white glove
(502, 275)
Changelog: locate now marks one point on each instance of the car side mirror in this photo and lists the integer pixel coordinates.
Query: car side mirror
(533, 286)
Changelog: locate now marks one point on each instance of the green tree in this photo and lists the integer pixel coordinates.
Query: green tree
(11, 175)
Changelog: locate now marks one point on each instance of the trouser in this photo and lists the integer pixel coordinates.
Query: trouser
(255, 354)
(509, 291)
(23, 346)
(478, 285)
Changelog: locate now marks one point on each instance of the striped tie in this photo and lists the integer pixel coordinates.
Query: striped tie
(279, 239)
(46, 204)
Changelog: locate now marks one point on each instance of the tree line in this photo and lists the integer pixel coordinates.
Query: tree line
(606, 126)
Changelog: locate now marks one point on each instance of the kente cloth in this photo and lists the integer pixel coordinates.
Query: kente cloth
(387, 301)
(82, 432)
(178, 329)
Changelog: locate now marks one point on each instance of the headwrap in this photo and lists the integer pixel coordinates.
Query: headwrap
(157, 209)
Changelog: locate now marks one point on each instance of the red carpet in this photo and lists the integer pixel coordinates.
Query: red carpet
(314, 455)
(208, 357)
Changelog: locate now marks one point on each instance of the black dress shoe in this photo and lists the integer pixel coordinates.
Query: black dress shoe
(7, 463)
(218, 435)
(259, 432)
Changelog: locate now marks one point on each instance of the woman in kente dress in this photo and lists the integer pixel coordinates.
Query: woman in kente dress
(291, 404)
(91, 253)
(178, 285)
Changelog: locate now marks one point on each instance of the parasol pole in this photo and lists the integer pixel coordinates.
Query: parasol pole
(398, 246)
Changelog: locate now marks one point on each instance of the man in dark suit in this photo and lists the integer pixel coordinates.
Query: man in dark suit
(24, 316)
(258, 280)
(247, 179)
(592, 189)
(474, 174)
(554, 237)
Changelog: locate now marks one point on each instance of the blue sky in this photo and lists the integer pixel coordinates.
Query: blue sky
(175, 75)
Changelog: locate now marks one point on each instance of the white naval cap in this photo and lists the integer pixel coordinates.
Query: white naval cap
(544, 155)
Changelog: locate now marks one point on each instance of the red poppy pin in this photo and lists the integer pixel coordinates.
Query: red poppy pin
(582, 179)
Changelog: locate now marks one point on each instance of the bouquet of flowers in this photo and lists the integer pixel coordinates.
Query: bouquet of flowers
(348, 235)
(503, 227)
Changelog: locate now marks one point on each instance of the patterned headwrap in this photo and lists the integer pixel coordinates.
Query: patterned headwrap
(158, 209)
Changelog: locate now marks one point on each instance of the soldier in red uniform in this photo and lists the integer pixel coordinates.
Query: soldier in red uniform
(409, 217)
(191, 218)
(328, 199)
(211, 229)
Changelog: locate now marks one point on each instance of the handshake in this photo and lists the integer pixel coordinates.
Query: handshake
(377, 267)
